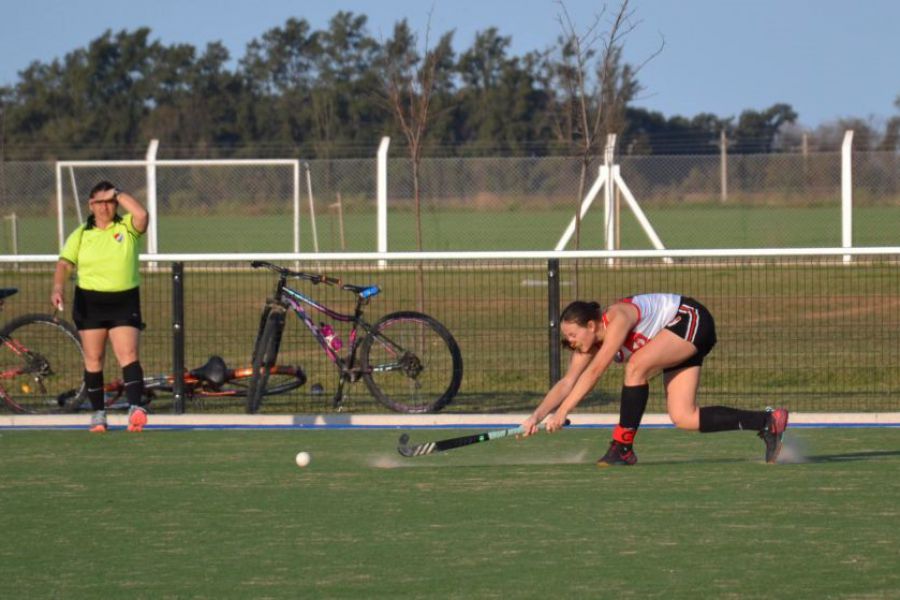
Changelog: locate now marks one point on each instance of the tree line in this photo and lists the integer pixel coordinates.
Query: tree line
(325, 93)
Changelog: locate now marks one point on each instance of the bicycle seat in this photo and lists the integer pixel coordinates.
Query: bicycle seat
(363, 291)
(7, 292)
(214, 371)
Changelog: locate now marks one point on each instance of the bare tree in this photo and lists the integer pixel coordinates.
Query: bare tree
(596, 94)
(410, 83)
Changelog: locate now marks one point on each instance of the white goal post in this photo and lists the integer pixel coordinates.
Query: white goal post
(66, 176)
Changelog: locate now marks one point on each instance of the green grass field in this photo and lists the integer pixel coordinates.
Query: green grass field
(689, 226)
(215, 514)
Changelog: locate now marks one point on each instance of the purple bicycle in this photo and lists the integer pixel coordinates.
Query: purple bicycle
(408, 360)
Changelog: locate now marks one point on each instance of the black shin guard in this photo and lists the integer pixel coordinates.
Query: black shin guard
(634, 403)
(93, 387)
(133, 375)
(631, 411)
(723, 418)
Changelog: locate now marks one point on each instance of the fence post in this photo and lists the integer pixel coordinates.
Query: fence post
(553, 318)
(152, 239)
(178, 335)
(847, 192)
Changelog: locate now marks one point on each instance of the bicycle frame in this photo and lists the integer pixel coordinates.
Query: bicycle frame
(295, 300)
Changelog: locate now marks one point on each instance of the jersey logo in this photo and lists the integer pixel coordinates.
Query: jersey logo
(118, 237)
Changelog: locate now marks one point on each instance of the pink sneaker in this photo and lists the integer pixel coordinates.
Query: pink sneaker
(137, 418)
(773, 433)
(98, 422)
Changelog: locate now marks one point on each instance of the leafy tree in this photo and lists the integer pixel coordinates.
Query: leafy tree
(756, 131)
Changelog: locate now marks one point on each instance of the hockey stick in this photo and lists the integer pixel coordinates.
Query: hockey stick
(458, 442)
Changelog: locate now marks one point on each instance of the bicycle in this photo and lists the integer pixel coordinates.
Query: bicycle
(212, 380)
(408, 360)
(42, 359)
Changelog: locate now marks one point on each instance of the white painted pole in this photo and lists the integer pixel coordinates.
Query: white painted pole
(638, 212)
(585, 204)
(312, 208)
(75, 194)
(382, 193)
(296, 172)
(847, 192)
(152, 229)
(60, 223)
(382, 197)
(609, 196)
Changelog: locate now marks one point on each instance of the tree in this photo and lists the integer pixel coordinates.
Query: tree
(342, 104)
(409, 86)
(756, 131)
(891, 140)
(594, 104)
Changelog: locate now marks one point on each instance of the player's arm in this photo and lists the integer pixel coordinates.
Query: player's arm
(558, 392)
(63, 270)
(621, 318)
(140, 218)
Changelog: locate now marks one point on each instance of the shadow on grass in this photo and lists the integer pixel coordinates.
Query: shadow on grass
(849, 456)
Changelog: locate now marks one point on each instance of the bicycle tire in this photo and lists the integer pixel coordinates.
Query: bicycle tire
(411, 363)
(281, 379)
(45, 362)
(265, 353)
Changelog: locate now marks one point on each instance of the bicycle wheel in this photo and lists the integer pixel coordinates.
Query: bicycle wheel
(264, 354)
(281, 379)
(411, 363)
(42, 364)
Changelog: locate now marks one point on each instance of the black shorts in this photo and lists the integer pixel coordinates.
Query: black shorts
(695, 324)
(105, 310)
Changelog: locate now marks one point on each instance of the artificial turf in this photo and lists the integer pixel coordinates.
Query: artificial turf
(213, 514)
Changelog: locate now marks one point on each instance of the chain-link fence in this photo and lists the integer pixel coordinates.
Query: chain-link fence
(811, 332)
(763, 200)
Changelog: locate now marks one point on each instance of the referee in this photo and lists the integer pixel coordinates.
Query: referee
(107, 304)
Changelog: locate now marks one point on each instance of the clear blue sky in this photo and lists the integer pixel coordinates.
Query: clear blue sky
(827, 58)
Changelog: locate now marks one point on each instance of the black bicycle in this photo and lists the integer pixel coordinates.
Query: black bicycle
(408, 360)
(41, 363)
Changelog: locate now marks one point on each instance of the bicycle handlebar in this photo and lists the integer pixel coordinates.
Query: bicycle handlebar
(316, 279)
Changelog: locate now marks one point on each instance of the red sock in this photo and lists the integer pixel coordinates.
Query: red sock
(624, 435)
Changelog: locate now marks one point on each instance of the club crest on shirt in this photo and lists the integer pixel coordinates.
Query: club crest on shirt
(118, 236)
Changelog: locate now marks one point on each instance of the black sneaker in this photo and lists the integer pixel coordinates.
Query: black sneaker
(773, 433)
(617, 454)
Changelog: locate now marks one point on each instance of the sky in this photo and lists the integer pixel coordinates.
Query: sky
(828, 59)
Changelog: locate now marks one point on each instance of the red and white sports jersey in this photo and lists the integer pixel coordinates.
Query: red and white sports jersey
(655, 311)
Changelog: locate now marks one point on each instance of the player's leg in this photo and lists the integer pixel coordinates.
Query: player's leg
(681, 396)
(681, 402)
(125, 340)
(93, 342)
(664, 350)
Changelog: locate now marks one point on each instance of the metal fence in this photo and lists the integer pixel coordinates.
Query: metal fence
(804, 329)
(477, 204)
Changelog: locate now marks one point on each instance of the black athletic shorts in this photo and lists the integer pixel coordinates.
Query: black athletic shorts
(695, 324)
(105, 310)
